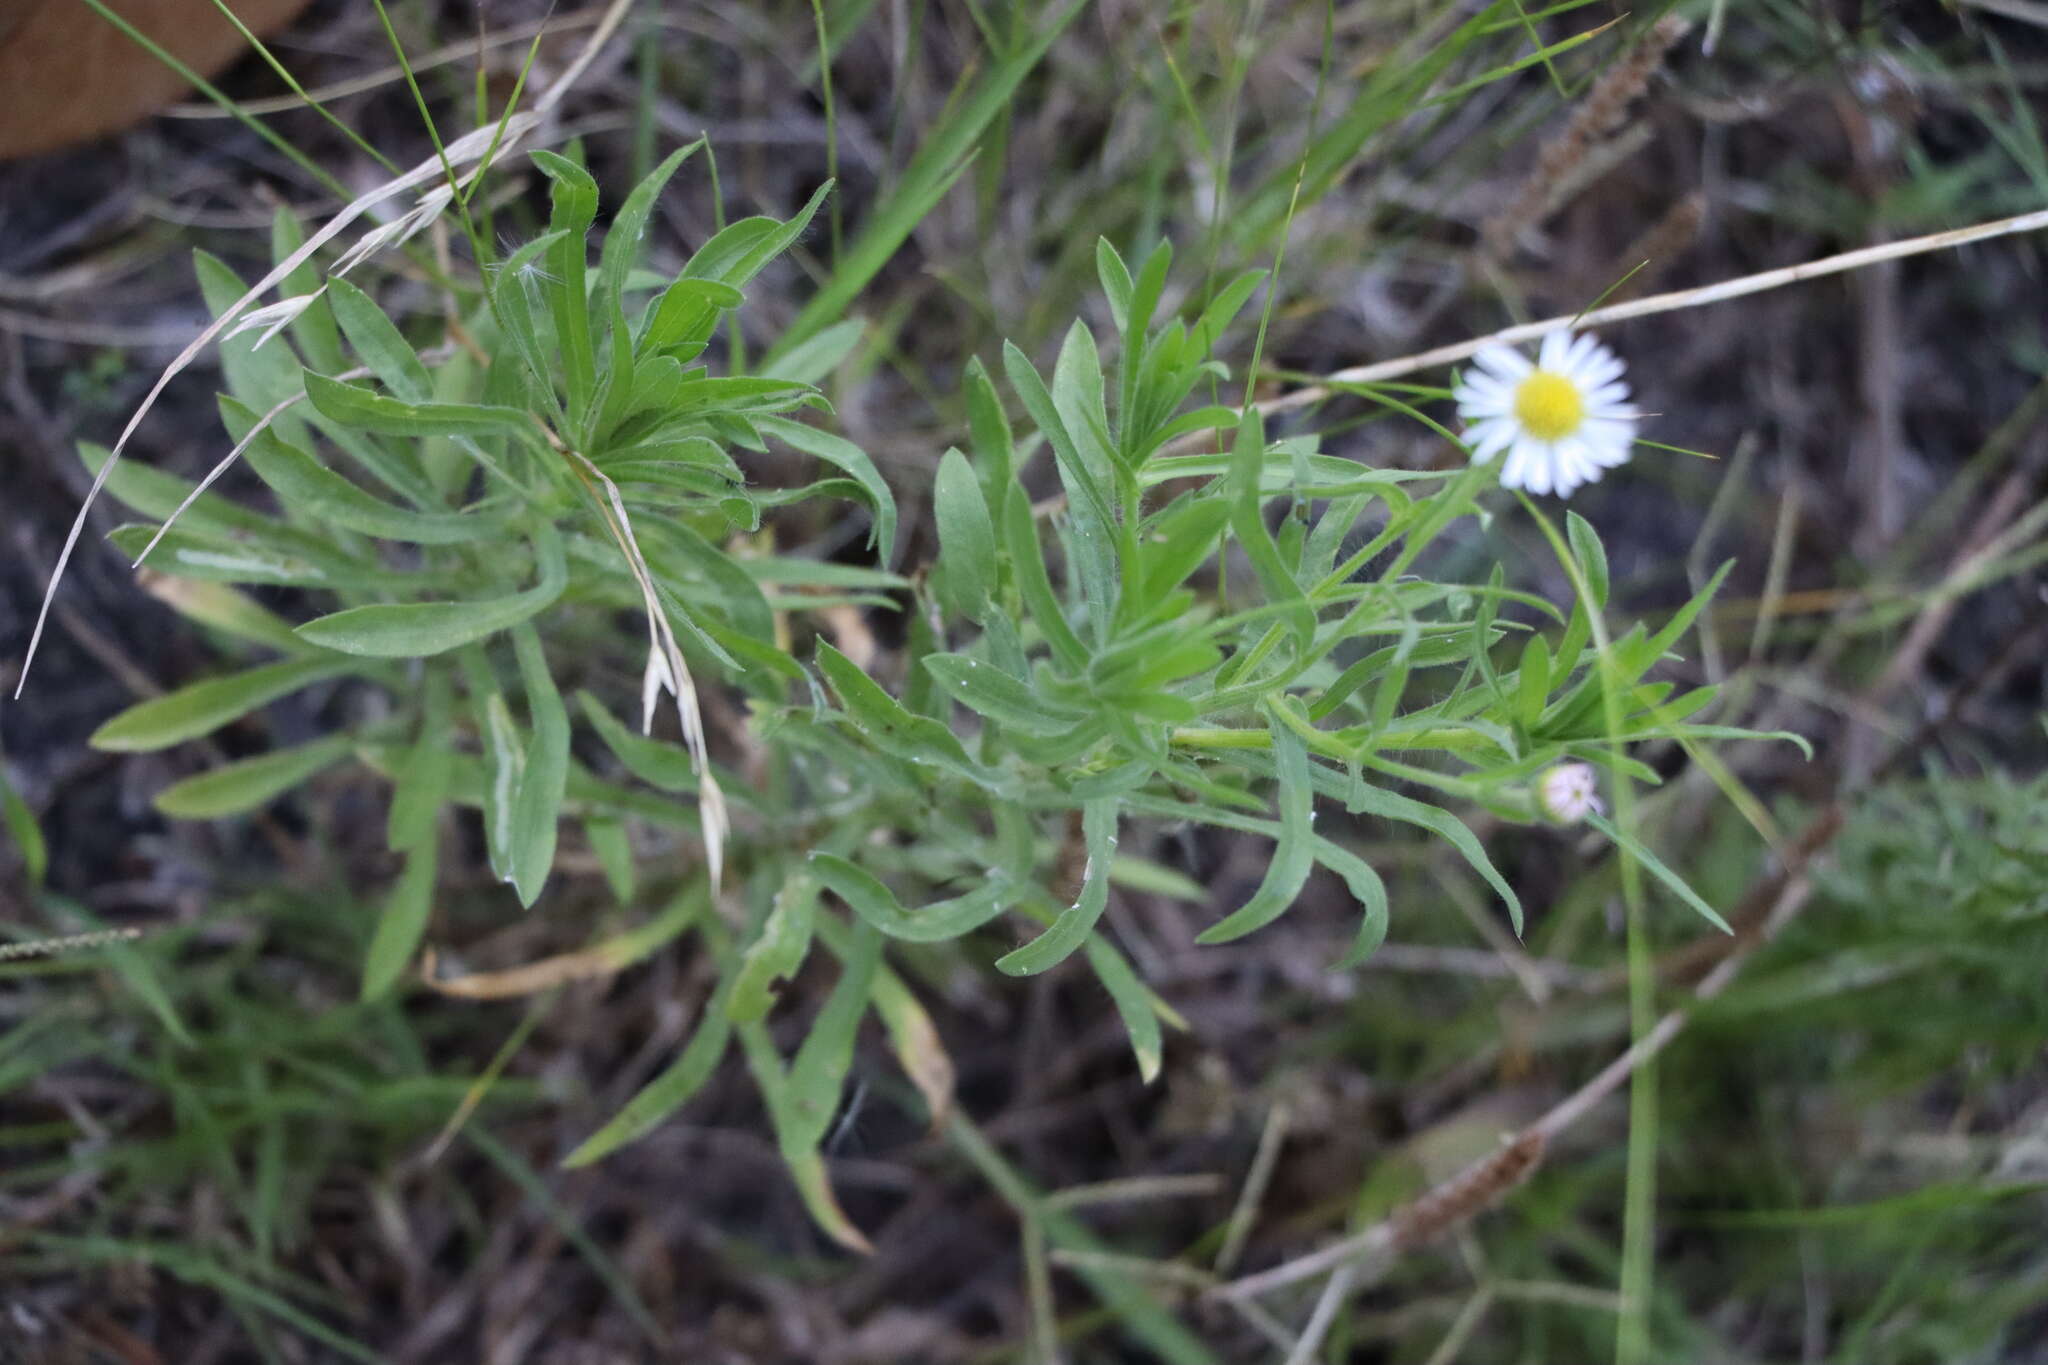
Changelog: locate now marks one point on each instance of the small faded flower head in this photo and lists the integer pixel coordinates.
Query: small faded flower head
(1563, 420)
(1568, 792)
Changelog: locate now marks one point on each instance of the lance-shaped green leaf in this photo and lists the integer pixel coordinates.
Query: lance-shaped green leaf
(274, 560)
(614, 852)
(686, 314)
(1134, 1004)
(779, 951)
(1294, 854)
(667, 1092)
(809, 361)
(241, 786)
(623, 239)
(801, 1100)
(837, 450)
(1177, 544)
(1077, 921)
(1532, 687)
(311, 487)
(261, 376)
(352, 405)
(818, 1071)
(737, 254)
(405, 630)
(918, 739)
(1592, 556)
(379, 343)
(573, 196)
(537, 808)
(422, 783)
(1248, 520)
(203, 707)
(1659, 869)
(653, 761)
(1027, 563)
(1087, 473)
(313, 330)
(994, 447)
(988, 691)
(490, 784)
(1360, 798)
(967, 538)
(993, 892)
(402, 923)
(28, 835)
(1370, 892)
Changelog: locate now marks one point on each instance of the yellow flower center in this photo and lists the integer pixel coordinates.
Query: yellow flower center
(1548, 406)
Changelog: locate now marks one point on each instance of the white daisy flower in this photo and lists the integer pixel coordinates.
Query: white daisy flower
(1568, 791)
(1562, 420)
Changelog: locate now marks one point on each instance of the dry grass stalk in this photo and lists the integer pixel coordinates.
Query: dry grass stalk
(72, 943)
(1599, 114)
(1468, 1192)
(1740, 287)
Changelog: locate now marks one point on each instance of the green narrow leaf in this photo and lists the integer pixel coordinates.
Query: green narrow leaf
(994, 446)
(810, 361)
(817, 1073)
(837, 450)
(1089, 485)
(1658, 869)
(573, 195)
(261, 376)
(988, 691)
(623, 240)
(402, 922)
(1077, 921)
(667, 1092)
(607, 836)
(995, 890)
(919, 739)
(504, 757)
(379, 343)
(1293, 855)
(203, 707)
(779, 952)
(967, 538)
(537, 806)
(137, 966)
(27, 834)
(1368, 890)
(653, 761)
(313, 330)
(236, 787)
(1591, 554)
(1187, 536)
(352, 405)
(686, 314)
(1027, 562)
(1248, 521)
(1534, 680)
(422, 785)
(1363, 799)
(1115, 278)
(1133, 1004)
(402, 630)
(308, 486)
